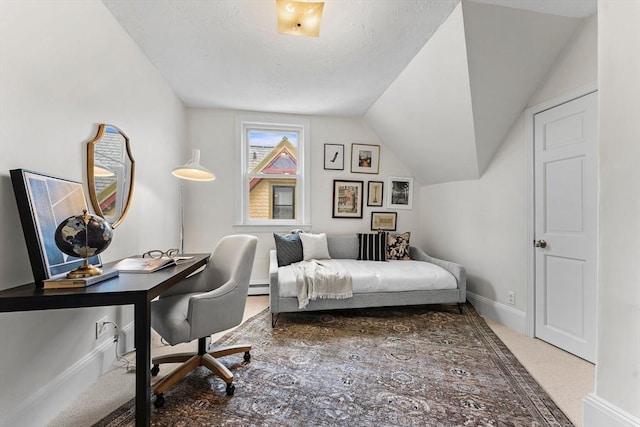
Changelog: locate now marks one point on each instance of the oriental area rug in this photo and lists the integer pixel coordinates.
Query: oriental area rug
(403, 366)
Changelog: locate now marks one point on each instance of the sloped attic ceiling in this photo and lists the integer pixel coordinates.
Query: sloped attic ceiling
(228, 53)
(440, 89)
(447, 113)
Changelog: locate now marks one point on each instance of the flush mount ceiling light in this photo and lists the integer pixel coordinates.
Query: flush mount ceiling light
(299, 18)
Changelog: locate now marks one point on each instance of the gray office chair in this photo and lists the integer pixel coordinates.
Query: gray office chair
(201, 305)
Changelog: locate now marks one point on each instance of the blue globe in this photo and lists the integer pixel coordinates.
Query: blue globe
(83, 236)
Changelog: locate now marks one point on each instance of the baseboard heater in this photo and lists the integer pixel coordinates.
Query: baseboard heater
(259, 289)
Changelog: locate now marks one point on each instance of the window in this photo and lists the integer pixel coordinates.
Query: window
(273, 165)
(283, 202)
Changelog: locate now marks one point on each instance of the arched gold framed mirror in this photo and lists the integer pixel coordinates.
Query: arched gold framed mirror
(110, 173)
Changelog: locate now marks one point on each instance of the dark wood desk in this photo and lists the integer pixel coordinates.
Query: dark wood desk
(136, 289)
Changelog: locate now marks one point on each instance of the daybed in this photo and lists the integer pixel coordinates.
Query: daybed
(420, 280)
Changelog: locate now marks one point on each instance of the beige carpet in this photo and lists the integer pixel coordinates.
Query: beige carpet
(566, 378)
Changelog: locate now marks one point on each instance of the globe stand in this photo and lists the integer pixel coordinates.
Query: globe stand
(85, 270)
(65, 238)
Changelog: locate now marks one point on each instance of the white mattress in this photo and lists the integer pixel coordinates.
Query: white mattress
(377, 276)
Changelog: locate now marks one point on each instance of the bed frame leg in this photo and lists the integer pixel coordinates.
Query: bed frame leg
(274, 319)
(460, 305)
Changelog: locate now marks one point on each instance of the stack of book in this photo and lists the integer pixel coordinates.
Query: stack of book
(83, 282)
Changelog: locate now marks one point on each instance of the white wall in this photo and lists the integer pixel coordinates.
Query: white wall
(426, 115)
(67, 66)
(510, 51)
(482, 223)
(210, 207)
(451, 107)
(616, 401)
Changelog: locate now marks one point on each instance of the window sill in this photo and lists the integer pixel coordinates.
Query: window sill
(271, 228)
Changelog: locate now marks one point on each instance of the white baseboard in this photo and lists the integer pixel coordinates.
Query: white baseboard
(597, 412)
(259, 288)
(42, 406)
(126, 341)
(498, 312)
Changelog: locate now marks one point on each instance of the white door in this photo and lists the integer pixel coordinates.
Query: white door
(565, 169)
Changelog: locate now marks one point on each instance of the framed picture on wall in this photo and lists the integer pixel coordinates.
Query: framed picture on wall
(365, 158)
(347, 199)
(44, 201)
(399, 192)
(384, 221)
(375, 193)
(333, 157)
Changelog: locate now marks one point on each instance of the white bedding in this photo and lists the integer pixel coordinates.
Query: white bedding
(377, 276)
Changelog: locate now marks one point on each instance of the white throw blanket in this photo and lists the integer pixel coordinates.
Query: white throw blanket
(321, 278)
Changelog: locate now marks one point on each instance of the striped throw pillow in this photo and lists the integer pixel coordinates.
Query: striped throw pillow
(372, 246)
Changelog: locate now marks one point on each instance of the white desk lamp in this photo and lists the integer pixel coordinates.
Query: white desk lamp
(190, 171)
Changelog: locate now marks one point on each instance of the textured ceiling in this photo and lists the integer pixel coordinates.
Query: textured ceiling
(568, 8)
(228, 54)
(439, 82)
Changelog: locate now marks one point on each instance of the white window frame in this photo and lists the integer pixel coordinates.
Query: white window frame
(243, 124)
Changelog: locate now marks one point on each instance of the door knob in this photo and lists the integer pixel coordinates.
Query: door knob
(539, 244)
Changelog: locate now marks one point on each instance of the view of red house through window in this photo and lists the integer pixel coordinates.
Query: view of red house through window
(273, 174)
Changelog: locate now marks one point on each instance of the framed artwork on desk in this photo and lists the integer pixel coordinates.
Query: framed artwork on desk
(44, 201)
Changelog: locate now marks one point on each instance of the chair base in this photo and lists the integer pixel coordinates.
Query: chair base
(190, 361)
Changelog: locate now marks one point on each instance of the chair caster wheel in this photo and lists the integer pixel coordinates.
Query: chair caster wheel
(247, 357)
(159, 402)
(231, 389)
(155, 370)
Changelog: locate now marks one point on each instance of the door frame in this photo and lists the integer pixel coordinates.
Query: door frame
(530, 323)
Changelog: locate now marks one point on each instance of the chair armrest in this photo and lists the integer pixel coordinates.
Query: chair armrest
(195, 282)
(274, 286)
(222, 306)
(458, 271)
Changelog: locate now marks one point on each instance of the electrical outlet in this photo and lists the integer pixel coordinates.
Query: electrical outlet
(511, 297)
(102, 327)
